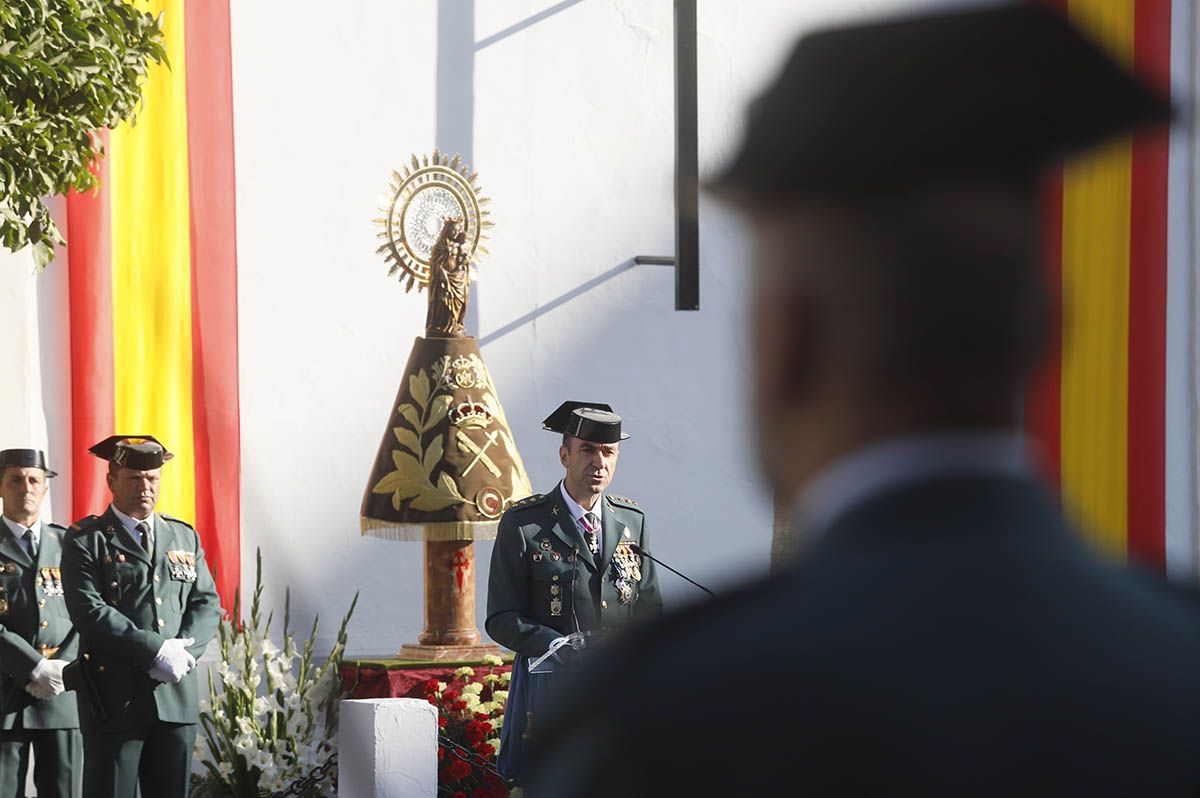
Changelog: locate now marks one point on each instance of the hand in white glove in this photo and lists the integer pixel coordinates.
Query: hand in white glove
(39, 692)
(174, 659)
(46, 679)
(163, 675)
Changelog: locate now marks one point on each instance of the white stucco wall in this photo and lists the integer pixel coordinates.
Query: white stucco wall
(566, 112)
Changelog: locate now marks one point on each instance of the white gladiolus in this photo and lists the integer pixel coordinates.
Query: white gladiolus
(261, 719)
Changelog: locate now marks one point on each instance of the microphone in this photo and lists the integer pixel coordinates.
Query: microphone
(638, 550)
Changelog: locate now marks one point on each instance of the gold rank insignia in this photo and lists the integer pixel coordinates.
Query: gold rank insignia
(3, 606)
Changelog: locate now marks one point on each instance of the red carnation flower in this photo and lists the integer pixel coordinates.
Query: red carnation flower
(480, 792)
(460, 794)
(458, 770)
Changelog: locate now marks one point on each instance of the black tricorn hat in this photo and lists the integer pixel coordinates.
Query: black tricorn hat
(139, 452)
(986, 92)
(589, 421)
(25, 458)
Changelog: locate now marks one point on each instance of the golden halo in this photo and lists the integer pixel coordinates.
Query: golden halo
(430, 190)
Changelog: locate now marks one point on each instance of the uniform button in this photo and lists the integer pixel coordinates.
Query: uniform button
(156, 577)
(45, 624)
(554, 578)
(113, 584)
(100, 668)
(603, 605)
(161, 622)
(158, 599)
(41, 602)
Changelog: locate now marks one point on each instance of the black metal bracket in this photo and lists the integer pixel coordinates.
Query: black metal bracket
(687, 165)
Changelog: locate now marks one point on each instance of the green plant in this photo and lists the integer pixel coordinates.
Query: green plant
(67, 69)
(274, 717)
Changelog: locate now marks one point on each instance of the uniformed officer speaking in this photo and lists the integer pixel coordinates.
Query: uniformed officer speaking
(562, 561)
(145, 606)
(36, 639)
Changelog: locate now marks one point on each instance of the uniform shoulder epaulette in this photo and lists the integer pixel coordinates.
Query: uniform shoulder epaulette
(166, 517)
(625, 501)
(54, 526)
(529, 501)
(84, 525)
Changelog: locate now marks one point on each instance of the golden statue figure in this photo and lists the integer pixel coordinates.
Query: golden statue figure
(449, 281)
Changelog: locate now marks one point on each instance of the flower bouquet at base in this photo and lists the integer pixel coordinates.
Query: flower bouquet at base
(271, 719)
(470, 714)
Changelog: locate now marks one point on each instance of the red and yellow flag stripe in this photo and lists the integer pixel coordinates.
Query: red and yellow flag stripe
(153, 288)
(1099, 410)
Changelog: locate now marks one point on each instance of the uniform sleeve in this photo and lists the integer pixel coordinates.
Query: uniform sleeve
(203, 610)
(649, 604)
(508, 596)
(103, 626)
(17, 657)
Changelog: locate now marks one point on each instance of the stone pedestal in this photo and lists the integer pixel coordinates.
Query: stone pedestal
(387, 748)
(450, 632)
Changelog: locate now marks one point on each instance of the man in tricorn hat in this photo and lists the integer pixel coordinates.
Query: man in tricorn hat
(562, 562)
(944, 631)
(146, 607)
(36, 639)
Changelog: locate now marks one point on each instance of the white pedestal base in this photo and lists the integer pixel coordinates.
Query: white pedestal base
(387, 748)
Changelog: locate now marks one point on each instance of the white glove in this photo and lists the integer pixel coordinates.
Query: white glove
(162, 675)
(173, 659)
(46, 679)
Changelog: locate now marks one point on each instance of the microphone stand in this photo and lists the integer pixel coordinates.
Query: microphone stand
(638, 550)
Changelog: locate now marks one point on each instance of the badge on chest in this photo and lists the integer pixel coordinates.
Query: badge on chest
(50, 581)
(628, 568)
(183, 565)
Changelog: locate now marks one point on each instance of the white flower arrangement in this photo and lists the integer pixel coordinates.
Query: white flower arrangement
(271, 716)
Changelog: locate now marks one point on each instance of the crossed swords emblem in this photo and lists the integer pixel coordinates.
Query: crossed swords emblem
(465, 444)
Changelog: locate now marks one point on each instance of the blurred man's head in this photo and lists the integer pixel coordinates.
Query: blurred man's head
(905, 312)
(890, 179)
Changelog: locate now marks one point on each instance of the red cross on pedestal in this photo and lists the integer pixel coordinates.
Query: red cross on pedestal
(462, 564)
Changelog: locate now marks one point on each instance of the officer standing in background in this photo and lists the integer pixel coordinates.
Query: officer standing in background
(36, 639)
(562, 562)
(146, 607)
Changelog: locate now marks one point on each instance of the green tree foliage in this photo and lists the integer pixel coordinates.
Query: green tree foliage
(67, 69)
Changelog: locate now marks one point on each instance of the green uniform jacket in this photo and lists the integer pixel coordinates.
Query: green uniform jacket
(126, 606)
(33, 614)
(544, 579)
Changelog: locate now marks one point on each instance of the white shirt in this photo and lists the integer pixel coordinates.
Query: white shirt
(871, 471)
(130, 523)
(577, 512)
(18, 532)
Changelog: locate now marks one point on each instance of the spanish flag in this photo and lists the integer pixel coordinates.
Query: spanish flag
(153, 288)
(1105, 410)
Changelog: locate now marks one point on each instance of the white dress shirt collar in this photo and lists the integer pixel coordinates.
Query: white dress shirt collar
(576, 509)
(130, 523)
(871, 471)
(18, 532)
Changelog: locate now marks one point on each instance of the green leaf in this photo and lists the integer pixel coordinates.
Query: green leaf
(407, 439)
(448, 486)
(432, 501)
(411, 416)
(418, 387)
(432, 456)
(438, 411)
